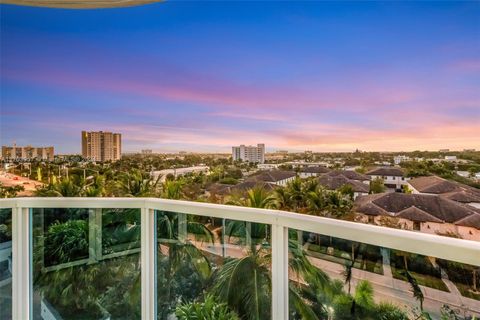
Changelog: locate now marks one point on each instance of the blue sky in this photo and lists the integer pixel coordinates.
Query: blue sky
(202, 76)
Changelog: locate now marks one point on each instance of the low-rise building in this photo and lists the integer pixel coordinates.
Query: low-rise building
(352, 175)
(222, 190)
(433, 185)
(419, 212)
(307, 172)
(335, 182)
(268, 166)
(278, 177)
(393, 178)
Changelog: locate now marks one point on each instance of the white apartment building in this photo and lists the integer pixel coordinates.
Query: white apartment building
(101, 146)
(401, 158)
(249, 153)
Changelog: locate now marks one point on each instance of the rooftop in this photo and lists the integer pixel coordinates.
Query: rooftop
(417, 207)
(449, 189)
(386, 171)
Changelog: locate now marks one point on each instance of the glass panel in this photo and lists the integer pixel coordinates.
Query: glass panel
(334, 278)
(120, 230)
(86, 263)
(6, 264)
(210, 267)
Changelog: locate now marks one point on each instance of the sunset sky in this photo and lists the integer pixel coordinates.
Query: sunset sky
(205, 76)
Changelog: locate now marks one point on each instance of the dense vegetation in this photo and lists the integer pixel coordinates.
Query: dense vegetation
(193, 283)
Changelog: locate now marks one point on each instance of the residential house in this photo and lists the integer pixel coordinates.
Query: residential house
(335, 182)
(393, 178)
(352, 175)
(420, 212)
(307, 172)
(278, 177)
(434, 185)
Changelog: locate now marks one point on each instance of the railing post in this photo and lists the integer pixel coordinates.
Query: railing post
(148, 264)
(21, 291)
(248, 234)
(279, 272)
(224, 239)
(95, 234)
(182, 227)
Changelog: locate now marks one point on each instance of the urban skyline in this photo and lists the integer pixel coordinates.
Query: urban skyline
(205, 76)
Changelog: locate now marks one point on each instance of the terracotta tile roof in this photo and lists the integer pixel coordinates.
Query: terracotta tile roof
(272, 176)
(472, 221)
(415, 207)
(450, 189)
(337, 181)
(315, 170)
(415, 214)
(352, 175)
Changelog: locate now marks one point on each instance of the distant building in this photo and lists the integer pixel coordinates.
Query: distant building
(399, 159)
(101, 146)
(468, 150)
(451, 158)
(27, 153)
(392, 177)
(249, 153)
(146, 151)
(268, 166)
(444, 150)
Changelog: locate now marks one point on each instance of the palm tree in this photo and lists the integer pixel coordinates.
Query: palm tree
(317, 201)
(245, 283)
(172, 189)
(257, 197)
(282, 199)
(296, 194)
(417, 292)
(135, 184)
(183, 269)
(347, 273)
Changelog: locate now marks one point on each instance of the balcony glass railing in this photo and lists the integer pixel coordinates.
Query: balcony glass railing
(112, 258)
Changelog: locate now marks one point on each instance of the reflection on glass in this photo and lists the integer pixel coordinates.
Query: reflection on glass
(212, 266)
(75, 276)
(5, 264)
(332, 278)
(120, 230)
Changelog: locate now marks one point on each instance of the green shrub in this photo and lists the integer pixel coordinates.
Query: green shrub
(206, 310)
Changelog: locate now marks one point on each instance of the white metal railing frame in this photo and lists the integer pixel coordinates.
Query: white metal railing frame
(463, 251)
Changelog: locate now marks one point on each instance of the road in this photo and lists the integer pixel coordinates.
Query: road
(386, 288)
(9, 180)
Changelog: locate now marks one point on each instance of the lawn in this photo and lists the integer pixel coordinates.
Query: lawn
(339, 256)
(422, 279)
